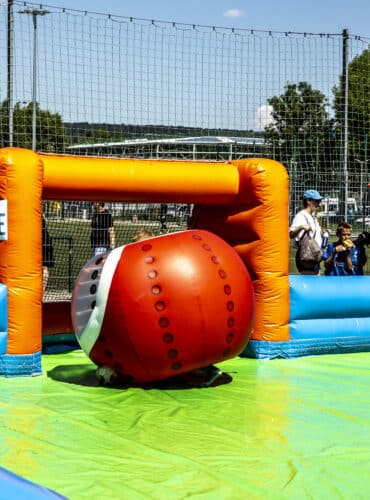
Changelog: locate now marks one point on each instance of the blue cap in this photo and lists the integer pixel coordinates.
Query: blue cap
(312, 194)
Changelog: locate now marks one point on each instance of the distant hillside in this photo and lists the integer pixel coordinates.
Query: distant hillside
(83, 132)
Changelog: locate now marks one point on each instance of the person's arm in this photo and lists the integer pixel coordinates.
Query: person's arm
(362, 257)
(299, 225)
(329, 255)
(333, 251)
(349, 261)
(294, 232)
(110, 229)
(349, 247)
(361, 261)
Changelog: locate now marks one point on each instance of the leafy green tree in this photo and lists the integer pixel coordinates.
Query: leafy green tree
(301, 127)
(358, 109)
(50, 130)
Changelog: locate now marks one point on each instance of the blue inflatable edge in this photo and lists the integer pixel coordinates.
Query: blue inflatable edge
(3, 318)
(20, 365)
(3, 341)
(262, 349)
(62, 342)
(14, 486)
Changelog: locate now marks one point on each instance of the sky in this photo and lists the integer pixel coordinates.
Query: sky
(313, 16)
(205, 78)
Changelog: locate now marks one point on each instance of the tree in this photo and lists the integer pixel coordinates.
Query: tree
(358, 108)
(50, 130)
(301, 126)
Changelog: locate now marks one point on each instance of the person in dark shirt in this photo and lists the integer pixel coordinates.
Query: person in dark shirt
(102, 230)
(360, 257)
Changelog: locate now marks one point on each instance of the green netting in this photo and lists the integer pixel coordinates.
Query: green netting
(101, 84)
(280, 429)
(69, 225)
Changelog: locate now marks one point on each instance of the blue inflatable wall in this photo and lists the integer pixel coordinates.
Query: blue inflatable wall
(3, 318)
(13, 487)
(327, 315)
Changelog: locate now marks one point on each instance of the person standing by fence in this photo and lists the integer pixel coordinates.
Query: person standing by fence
(359, 255)
(102, 230)
(305, 221)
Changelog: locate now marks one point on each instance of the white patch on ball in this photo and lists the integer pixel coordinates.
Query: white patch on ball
(106, 375)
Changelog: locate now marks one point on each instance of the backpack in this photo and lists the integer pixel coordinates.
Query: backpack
(309, 252)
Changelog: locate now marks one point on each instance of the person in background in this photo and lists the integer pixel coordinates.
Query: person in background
(142, 234)
(102, 230)
(343, 257)
(359, 258)
(305, 221)
(47, 255)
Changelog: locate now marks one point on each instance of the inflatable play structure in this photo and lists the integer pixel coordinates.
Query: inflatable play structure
(243, 202)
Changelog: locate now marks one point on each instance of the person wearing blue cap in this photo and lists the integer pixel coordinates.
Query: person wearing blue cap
(305, 221)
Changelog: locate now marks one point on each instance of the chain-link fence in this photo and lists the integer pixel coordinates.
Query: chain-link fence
(83, 83)
(100, 84)
(69, 227)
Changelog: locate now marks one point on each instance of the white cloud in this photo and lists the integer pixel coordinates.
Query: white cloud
(263, 117)
(233, 13)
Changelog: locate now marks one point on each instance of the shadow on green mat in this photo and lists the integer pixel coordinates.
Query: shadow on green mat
(85, 376)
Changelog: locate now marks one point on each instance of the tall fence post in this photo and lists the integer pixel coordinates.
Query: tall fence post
(343, 198)
(10, 70)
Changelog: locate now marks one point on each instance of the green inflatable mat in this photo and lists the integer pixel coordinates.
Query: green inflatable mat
(295, 428)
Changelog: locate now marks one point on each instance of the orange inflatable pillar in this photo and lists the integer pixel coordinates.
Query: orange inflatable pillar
(256, 225)
(265, 184)
(21, 175)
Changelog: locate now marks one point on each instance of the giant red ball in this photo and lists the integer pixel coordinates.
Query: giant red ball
(164, 306)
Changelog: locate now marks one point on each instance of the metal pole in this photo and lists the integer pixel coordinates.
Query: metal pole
(70, 257)
(365, 199)
(361, 180)
(343, 202)
(34, 76)
(10, 69)
(34, 13)
(360, 162)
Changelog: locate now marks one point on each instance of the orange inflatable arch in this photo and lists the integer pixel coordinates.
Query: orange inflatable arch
(245, 202)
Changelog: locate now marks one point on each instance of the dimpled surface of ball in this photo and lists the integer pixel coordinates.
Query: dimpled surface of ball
(176, 302)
